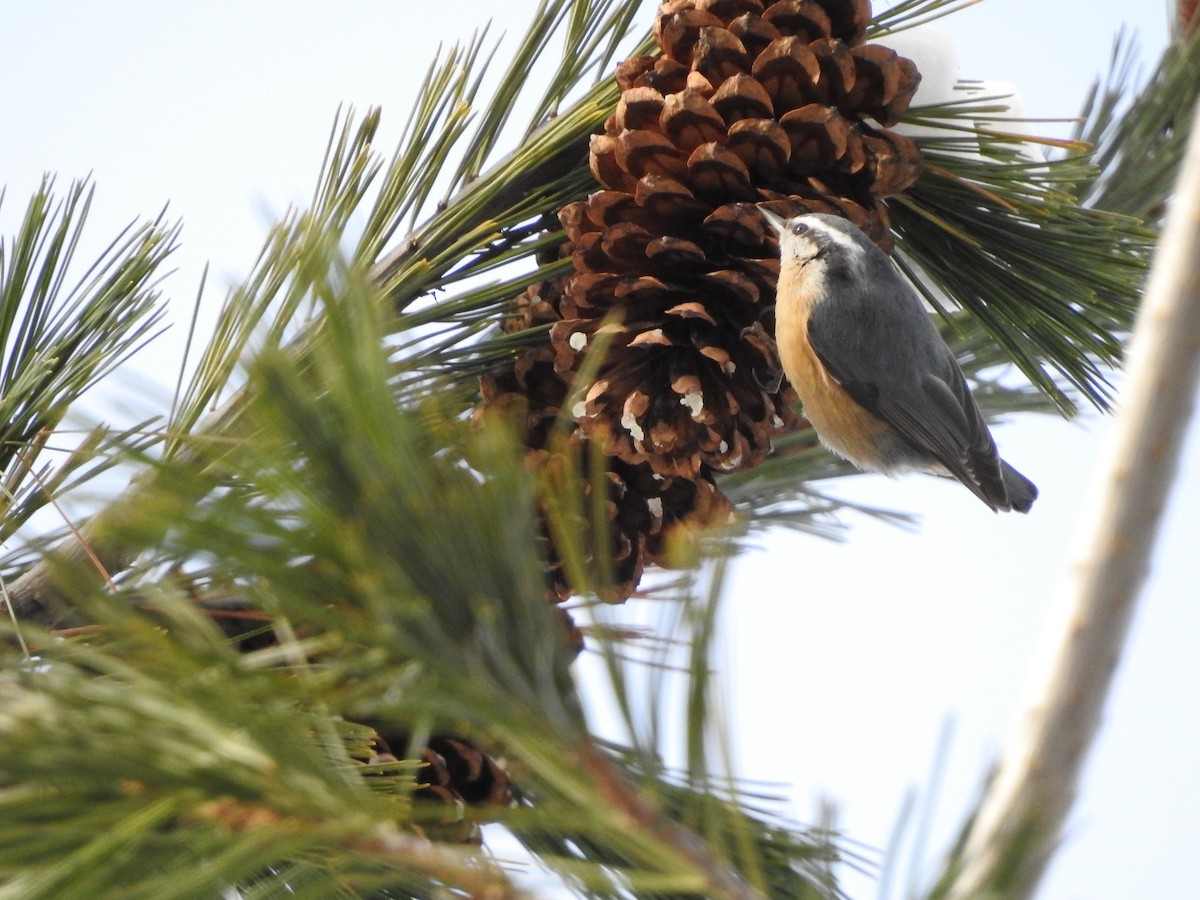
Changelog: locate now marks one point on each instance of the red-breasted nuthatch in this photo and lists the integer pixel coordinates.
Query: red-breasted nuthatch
(878, 383)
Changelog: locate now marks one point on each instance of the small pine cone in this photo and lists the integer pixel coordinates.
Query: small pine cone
(536, 305)
(643, 509)
(454, 774)
(626, 551)
(656, 506)
(454, 770)
(457, 766)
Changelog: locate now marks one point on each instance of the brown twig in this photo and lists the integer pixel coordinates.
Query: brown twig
(721, 880)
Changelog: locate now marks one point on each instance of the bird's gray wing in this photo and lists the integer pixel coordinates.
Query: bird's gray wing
(891, 360)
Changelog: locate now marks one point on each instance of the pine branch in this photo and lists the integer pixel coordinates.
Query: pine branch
(1007, 240)
(547, 170)
(699, 799)
(1139, 143)
(1049, 256)
(325, 517)
(912, 14)
(496, 217)
(1015, 832)
(384, 538)
(273, 293)
(61, 338)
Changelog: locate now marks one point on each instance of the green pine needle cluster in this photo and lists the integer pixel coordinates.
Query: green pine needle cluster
(62, 332)
(393, 547)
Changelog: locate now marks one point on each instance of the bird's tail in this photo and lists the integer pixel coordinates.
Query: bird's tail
(1021, 491)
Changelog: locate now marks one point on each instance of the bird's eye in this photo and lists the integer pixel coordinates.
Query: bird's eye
(799, 228)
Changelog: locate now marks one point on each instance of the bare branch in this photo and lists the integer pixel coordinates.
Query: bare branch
(1018, 825)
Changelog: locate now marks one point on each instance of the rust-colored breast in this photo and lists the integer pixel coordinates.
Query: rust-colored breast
(843, 426)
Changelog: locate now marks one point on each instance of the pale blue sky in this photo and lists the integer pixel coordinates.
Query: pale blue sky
(845, 659)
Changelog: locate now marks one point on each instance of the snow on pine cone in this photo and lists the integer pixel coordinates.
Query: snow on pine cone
(747, 102)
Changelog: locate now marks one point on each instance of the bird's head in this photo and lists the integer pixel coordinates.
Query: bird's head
(819, 243)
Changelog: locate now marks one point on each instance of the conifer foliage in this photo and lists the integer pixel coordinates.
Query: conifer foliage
(308, 651)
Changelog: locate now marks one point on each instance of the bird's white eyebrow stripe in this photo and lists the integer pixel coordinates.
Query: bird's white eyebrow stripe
(844, 241)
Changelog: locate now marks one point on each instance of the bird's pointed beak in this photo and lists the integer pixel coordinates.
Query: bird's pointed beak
(774, 220)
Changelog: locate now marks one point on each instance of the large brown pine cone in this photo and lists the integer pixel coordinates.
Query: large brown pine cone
(747, 103)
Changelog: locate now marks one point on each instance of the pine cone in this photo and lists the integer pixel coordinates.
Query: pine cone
(455, 774)
(643, 506)
(455, 769)
(748, 103)
(643, 511)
